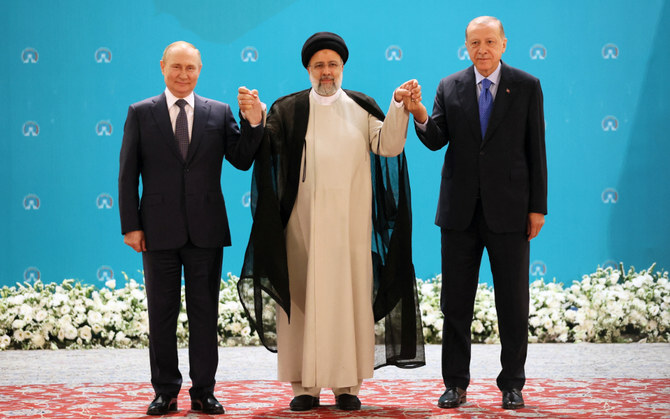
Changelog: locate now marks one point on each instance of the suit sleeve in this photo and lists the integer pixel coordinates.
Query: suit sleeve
(536, 152)
(241, 146)
(129, 174)
(435, 134)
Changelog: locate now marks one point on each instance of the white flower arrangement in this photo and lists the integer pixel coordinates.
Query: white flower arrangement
(606, 306)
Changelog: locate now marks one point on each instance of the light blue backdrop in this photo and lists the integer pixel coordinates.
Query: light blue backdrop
(71, 68)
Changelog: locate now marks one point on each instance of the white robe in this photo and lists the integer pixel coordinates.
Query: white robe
(330, 340)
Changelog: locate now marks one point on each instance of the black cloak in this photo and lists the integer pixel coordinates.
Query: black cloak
(264, 279)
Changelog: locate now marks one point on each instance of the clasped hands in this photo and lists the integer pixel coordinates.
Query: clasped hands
(250, 105)
(409, 93)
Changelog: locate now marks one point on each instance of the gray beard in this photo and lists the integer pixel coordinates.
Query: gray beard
(323, 90)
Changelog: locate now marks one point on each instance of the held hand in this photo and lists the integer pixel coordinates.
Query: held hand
(135, 239)
(409, 93)
(535, 223)
(250, 105)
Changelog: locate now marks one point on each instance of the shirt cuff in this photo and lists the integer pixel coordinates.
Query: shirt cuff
(421, 126)
(265, 107)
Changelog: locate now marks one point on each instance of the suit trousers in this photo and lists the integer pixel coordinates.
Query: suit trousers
(461, 259)
(202, 279)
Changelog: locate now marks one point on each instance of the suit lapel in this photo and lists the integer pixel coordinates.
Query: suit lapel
(467, 95)
(500, 104)
(200, 117)
(162, 117)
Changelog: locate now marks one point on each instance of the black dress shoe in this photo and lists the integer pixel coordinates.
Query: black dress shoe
(304, 402)
(452, 397)
(347, 402)
(512, 399)
(207, 404)
(162, 405)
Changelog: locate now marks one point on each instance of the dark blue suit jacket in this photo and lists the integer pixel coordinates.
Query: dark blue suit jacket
(507, 168)
(181, 199)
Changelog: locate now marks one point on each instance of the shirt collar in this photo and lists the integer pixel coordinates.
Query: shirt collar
(171, 99)
(494, 77)
(325, 100)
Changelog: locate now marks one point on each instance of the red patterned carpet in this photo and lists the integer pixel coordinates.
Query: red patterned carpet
(545, 398)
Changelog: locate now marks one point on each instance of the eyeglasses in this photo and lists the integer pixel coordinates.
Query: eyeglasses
(332, 66)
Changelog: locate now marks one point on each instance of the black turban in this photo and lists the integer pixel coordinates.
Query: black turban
(324, 40)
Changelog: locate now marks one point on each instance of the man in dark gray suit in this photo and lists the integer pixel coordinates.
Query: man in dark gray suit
(176, 143)
(493, 195)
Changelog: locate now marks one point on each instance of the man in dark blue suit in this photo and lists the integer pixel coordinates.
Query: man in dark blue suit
(493, 195)
(176, 143)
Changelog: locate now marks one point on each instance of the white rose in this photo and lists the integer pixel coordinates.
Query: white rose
(70, 332)
(16, 300)
(137, 294)
(111, 284)
(534, 321)
(41, 315)
(94, 317)
(18, 324)
(5, 341)
(477, 326)
(19, 335)
(85, 333)
(26, 310)
(38, 340)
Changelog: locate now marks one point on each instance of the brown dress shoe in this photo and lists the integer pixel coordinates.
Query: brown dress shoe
(452, 397)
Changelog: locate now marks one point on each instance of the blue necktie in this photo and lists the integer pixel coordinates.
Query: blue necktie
(485, 105)
(181, 128)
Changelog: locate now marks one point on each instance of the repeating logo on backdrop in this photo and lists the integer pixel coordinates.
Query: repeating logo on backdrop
(610, 51)
(609, 196)
(30, 129)
(105, 273)
(249, 54)
(32, 275)
(538, 52)
(538, 268)
(610, 264)
(104, 201)
(103, 128)
(29, 56)
(610, 123)
(31, 202)
(393, 53)
(246, 200)
(103, 55)
(463, 53)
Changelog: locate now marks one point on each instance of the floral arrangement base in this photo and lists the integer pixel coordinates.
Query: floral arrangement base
(545, 398)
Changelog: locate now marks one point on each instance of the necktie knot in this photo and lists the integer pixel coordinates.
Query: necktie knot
(181, 103)
(486, 83)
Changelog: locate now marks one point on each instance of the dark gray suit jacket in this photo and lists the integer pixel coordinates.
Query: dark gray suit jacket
(181, 199)
(507, 168)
